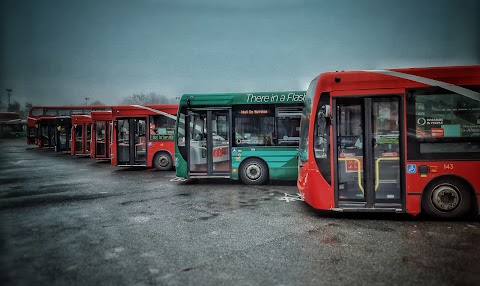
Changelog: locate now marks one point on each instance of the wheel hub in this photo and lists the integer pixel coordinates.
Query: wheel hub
(253, 172)
(163, 161)
(446, 198)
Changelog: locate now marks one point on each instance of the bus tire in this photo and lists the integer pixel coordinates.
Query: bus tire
(447, 198)
(253, 171)
(163, 161)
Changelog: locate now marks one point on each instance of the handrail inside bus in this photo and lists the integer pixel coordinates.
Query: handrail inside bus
(359, 170)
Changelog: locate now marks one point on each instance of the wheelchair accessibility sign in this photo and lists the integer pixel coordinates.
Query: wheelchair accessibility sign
(411, 168)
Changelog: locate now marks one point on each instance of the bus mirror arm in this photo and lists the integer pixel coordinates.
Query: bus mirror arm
(324, 112)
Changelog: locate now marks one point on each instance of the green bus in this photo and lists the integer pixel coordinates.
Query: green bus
(248, 136)
(13, 129)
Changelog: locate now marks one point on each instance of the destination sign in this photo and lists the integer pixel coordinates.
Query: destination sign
(272, 98)
(161, 137)
(254, 111)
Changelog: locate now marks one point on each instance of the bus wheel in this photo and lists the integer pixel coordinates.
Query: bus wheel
(447, 198)
(162, 161)
(254, 172)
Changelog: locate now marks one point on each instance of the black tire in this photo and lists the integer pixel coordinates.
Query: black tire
(447, 199)
(253, 172)
(162, 161)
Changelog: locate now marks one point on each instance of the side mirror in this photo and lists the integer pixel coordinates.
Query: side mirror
(324, 112)
(327, 112)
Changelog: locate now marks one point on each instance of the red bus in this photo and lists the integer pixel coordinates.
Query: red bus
(9, 116)
(34, 134)
(401, 140)
(101, 134)
(143, 135)
(81, 135)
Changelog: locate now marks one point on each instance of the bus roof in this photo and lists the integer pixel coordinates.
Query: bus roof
(136, 110)
(101, 115)
(226, 99)
(81, 118)
(9, 116)
(39, 111)
(398, 78)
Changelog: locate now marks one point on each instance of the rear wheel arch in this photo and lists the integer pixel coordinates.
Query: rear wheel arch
(460, 195)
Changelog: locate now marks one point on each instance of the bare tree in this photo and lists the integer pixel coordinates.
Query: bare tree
(14, 107)
(97, 102)
(143, 99)
(26, 109)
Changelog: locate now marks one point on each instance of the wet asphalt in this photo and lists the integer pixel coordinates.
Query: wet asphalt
(79, 221)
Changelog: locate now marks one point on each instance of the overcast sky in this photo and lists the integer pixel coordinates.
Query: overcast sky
(57, 52)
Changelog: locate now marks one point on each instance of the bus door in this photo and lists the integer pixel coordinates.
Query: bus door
(101, 139)
(368, 153)
(48, 135)
(88, 136)
(208, 142)
(78, 136)
(131, 142)
(63, 137)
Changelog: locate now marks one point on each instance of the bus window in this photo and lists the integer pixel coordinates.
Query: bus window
(123, 131)
(443, 125)
(100, 131)
(161, 127)
(288, 125)
(254, 125)
(181, 129)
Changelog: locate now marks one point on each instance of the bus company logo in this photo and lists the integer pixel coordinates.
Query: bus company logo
(290, 97)
(430, 121)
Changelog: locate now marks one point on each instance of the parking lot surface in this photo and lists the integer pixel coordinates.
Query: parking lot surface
(79, 221)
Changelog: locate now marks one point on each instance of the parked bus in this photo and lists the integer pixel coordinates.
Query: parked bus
(143, 135)
(11, 125)
(101, 133)
(62, 133)
(81, 135)
(248, 136)
(9, 116)
(401, 140)
(36, 112)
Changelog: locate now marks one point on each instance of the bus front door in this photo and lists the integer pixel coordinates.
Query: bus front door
(368, 153)
(131, 142)
(101, 139)
(209, 144)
